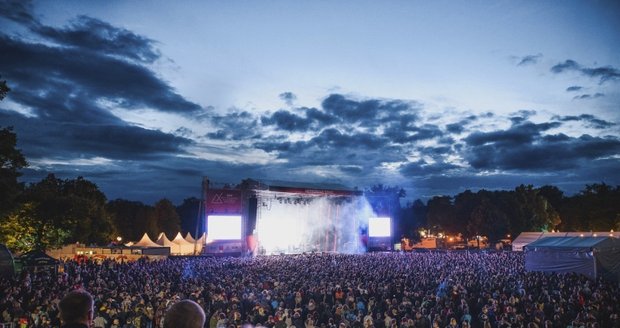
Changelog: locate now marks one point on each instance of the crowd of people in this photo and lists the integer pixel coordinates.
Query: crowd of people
(383, 290)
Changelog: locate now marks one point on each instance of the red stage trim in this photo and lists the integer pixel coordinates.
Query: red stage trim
(223, 201)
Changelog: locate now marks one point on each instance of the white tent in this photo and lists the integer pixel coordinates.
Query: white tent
(526, 238)
(164, 241)
(185, 247)
(189, 238)
(200, 242)
(146, 242)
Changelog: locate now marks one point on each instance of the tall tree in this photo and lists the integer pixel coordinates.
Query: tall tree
(441, 215)
(167, 218)
(464, 205)
(534, 211)
(55, 212)
(412, 219)
(131, 219)
(487, 219)
(188, 213)
(4, 89)
(11, 162)
(596, 208)
(92, 221)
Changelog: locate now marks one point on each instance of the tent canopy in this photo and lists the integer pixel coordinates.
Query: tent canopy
(526, 238)
(146, 242)
(37, 258)
(591, 256)
(573, 243)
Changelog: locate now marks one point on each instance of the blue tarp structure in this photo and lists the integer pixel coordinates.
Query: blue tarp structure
(591, 256)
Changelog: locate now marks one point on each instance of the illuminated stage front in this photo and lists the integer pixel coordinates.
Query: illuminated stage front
(285, 220)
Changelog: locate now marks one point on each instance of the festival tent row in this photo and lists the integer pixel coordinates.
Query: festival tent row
(526, 238)
(593, 257)
(178, 245)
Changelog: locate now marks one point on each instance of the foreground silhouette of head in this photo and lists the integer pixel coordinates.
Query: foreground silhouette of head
(76, 309)
(184, 314)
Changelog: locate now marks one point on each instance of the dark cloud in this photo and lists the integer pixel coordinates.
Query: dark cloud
(573, 88)
(458, 128)
(286, 120)
(18, 11)
(405, 134)
(91, 34)
(333, 138)
(351, 169)
(603, 73)
(590, 120)
(41, 138)
(422, 168)
(522, 116)
(236, 125)
(529, 60)
(518, 134)
(367, 113)
(455, 128)
(524, 147)
(288, 97)
(320, 117)
(40, 69)
(589, 96)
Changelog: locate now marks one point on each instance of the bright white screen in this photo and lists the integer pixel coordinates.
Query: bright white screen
(222, 227)
(379, 227)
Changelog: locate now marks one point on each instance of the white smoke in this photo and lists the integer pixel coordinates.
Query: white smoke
(321, 224)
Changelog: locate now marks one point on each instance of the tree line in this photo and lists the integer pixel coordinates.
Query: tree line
(503, 213)
(54, 212)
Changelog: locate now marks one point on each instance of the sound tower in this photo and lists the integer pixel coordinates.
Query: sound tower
(252, 209)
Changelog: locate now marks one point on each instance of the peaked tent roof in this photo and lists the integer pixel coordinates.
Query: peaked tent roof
(178, 239)
(189, 238)
(146, 242)
(163, 240)
(574, 243)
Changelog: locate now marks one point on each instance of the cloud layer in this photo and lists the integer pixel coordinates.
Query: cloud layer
(68, 82)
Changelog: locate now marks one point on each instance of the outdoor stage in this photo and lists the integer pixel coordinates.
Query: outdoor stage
(267, 219)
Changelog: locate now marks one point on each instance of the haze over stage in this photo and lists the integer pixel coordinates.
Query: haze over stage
(263, 219)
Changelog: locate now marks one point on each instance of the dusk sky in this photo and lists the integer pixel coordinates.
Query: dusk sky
(144, 98)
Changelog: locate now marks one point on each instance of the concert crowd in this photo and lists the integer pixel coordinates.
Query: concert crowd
(383, 290)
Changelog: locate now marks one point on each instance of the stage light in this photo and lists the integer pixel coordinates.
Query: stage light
(379, 227)
(224, 227)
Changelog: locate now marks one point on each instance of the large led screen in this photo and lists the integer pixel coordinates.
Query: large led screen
(224, 227)
(379, 227)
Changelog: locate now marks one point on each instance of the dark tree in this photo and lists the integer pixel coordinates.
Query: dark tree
(132, 219)
(167, 218)
(4, 89)
(11, 162)
(412, 219)
(441, 215)
(596, 208)
(188, 213)
(54, 212)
